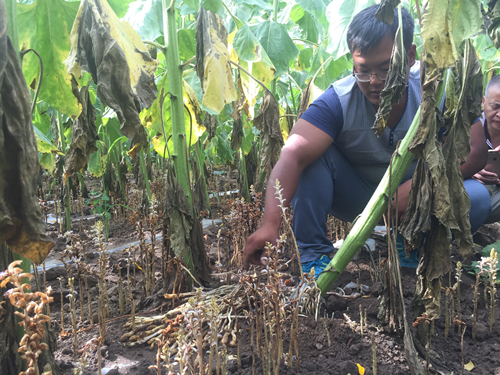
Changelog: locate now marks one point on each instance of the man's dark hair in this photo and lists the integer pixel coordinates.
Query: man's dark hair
(365, 31)
(494, 82)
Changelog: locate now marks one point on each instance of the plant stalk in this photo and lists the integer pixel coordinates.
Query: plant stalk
(174, 74)
(372, 213)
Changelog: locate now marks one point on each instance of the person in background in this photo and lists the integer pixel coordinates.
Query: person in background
(490, 121)
(332, 161)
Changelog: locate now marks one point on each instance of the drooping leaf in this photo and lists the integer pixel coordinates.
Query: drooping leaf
(84, 134)
(113, 53)
(276, 41)
(394, 85)
(385, 12)
(146, 17)
(267, 121)
(469, 88)
(45, 27)
(340, 14)
(212, 61)
(437, 38)
(305, 100)
(182, 229)
(21, 223)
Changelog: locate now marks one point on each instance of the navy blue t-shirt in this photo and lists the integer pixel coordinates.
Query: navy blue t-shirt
(326, 113)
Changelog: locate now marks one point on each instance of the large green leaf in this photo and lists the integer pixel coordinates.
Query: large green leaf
(45, 26)
(146, 17)
(248, 47)
(466, 19)
(340, 14)
(437, 40)
(277, 43)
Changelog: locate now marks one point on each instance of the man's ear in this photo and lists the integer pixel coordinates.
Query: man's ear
(412, 55)
(482, 103)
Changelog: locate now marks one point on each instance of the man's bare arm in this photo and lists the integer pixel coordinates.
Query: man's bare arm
(305, 144)
(478, 155)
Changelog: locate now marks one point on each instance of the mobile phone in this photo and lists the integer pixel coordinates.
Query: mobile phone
(493, 164)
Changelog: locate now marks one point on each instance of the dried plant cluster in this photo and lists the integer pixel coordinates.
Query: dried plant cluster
(243, 219)
(208, 322)
(31, 312)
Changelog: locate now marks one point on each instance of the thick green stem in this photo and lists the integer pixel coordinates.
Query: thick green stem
(372, 213)
(174, 74)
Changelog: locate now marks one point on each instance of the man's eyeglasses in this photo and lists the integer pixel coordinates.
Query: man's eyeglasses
(367, 77)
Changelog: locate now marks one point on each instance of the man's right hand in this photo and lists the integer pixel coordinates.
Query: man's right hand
(487, 178)
(255, 246)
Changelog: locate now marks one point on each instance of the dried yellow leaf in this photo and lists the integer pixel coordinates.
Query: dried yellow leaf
(469, 366)
(361, 369)
(212, 63)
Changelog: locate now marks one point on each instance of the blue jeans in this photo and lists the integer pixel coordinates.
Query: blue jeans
(331, 185)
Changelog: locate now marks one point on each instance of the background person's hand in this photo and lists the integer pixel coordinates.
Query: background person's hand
(487, 177)
(255, 246)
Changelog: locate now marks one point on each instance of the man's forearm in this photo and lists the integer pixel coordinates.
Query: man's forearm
(287, 172)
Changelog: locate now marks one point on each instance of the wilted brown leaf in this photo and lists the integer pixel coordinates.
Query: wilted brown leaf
(306, 99)
(84, 133)
(385, 12)
(183, 229)
(21, 223)
(212, 61)
(395, 83)
(267, 121)
(113, 53)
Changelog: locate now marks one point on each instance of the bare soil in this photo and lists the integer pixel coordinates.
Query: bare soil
(327, 344)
